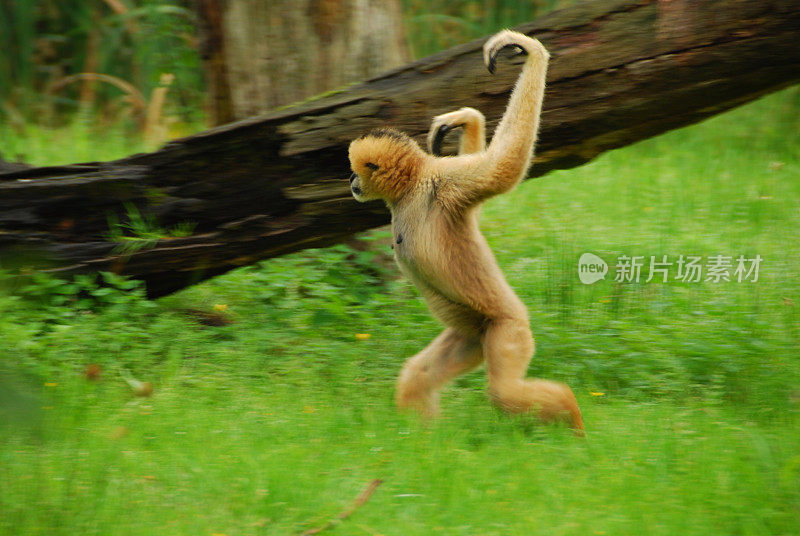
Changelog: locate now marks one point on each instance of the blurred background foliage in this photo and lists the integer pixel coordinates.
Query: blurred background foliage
(133, 44)
(134, 47)
(433, 25)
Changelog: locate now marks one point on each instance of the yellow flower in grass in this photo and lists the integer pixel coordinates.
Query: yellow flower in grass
(597, 394)
(363, 336)
(221, 307)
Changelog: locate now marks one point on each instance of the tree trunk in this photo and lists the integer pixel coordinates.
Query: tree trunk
(621, 71)
(262, 54)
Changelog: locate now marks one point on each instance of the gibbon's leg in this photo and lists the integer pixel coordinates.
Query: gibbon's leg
(508, 347)
(449, 355)
(473, 135)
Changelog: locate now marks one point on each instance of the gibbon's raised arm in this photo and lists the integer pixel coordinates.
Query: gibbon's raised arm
(473, 131)
(476, 177)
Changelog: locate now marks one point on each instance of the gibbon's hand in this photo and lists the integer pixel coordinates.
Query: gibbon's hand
(436, 137)
(473, 138)
(508, 39)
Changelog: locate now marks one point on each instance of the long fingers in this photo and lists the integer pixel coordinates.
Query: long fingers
(509, 39)
(443, 124)
(436, 137)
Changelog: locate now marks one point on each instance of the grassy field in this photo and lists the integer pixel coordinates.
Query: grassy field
(275, 422)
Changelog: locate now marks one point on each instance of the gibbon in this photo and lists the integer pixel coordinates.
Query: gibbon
(435, 204)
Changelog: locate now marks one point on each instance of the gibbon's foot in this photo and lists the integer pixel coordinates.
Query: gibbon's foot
(509, 39)
(444, 123)
(412, 394)
(426, 406)
(551, 401)
(447, 356)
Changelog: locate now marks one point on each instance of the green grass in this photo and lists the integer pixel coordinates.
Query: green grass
(80, 141)
(273, 424)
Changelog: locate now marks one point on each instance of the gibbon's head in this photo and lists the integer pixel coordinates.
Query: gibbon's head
(385, 164)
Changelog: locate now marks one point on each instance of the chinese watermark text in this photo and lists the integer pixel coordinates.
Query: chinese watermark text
(665, 268)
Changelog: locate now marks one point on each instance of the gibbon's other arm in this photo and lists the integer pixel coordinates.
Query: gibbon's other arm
(473, 133)
(476, 177)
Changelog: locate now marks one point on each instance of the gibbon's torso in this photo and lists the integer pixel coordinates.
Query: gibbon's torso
(447, 258)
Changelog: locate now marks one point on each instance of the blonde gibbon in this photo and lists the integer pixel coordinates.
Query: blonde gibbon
(435, 204)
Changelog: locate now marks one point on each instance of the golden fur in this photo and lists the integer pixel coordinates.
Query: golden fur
(435, 204)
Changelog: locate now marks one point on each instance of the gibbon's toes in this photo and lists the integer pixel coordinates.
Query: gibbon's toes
(507, 39)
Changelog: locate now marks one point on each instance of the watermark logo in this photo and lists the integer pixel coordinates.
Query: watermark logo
(663, 268)
(591, 268)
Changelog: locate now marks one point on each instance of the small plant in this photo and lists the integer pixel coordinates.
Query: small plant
(142, 231)
(55, 300)
(323, 288)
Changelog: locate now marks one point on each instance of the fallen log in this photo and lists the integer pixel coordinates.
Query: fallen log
(621, 71)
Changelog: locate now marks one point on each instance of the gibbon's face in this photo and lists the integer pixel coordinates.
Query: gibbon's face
(361, 181)
(383, 163)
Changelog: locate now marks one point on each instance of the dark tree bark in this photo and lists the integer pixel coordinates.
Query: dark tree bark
(8, 167)
(219, 103)
(622, 70)
(262, 54)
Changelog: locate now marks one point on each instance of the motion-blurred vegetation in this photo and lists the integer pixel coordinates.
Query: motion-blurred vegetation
(433, 25)
(112, 58)
(108, 56)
